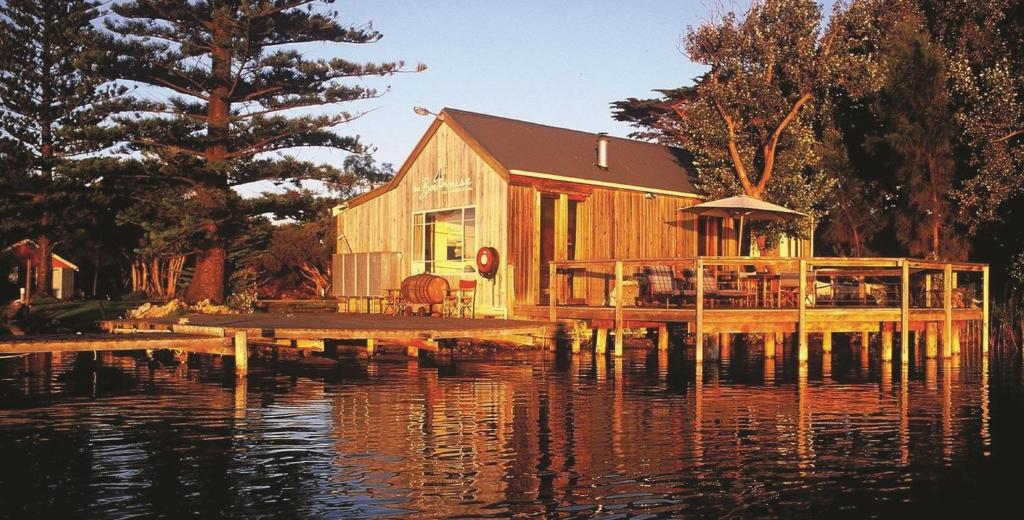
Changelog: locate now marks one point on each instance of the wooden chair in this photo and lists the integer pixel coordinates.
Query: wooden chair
(466, 298)
(719, 293)
(394, 304)
(661, 285)
(789, 290)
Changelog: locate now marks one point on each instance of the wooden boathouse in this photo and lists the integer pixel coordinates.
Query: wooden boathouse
(589, 231)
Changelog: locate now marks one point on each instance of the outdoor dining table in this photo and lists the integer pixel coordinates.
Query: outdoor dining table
(766, 286)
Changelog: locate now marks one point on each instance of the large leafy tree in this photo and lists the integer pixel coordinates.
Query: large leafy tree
(52, 109)
(752, 120)
(240, 89)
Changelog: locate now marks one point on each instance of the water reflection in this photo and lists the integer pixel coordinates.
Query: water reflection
(516, 434)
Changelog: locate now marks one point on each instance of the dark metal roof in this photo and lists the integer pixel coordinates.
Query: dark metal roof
(536, 148)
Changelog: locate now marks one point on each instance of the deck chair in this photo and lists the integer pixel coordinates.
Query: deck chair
(719, 293)
(789, 290)
(467, 298)
(662, 286)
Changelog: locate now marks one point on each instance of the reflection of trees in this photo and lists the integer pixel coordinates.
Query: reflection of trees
(486, 438)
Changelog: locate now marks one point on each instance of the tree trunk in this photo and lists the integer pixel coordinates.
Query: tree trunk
(208, 281)
(95, 274)
(44, 263)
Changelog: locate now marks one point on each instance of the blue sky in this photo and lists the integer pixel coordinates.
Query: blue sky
(553, 62)
(558, 63)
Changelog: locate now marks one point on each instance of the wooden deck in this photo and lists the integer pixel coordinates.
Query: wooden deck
(772, 297)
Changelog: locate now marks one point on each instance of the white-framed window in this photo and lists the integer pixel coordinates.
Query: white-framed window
(443, 241)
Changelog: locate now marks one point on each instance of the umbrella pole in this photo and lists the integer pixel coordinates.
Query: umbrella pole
(739, 239)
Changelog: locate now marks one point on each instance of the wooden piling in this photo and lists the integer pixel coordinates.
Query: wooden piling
(826, 342)
(905, 313)
(552, 292)
(865, 350)
(241, 354)
(601, 343)
(947, 305)
(769, 345)
(956, 339)
(618, 308)
(575, 345)
(663, 338)
(930, 341)
(371, 347)
(887, 342)
(699, 320)
(984, 310)
(802, 306)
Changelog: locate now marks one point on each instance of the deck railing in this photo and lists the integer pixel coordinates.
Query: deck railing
(762, 283)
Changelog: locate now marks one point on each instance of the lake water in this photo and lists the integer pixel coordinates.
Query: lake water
(510, 435)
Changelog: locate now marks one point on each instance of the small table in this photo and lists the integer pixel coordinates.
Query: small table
(766, 286)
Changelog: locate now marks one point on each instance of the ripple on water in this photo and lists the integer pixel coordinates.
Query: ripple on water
(515, 435)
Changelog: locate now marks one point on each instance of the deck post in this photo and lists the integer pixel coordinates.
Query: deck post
(510, 290)
(699, 318)
(905, 313)
(663, 337)
(826, 342)
(552, 292)
(241, 354)
(618, 308)
(887, 342)
(601, 343)
(947, 307)
(802, 325)
(930, 341)
(371, 346)
(769, 345)
(984, 310)
(956, 338)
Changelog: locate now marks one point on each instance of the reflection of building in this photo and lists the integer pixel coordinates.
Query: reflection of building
(23, 257)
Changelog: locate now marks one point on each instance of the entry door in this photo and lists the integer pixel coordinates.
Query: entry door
(548, 205)
(557, 241)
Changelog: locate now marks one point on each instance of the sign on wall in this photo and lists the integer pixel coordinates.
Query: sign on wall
(440, 184)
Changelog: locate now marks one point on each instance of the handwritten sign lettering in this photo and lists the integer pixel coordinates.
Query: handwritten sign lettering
(439, 183)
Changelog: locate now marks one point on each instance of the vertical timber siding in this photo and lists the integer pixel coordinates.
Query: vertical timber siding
(384, 222)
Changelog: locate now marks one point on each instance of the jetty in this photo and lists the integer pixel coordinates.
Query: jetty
(232, 334)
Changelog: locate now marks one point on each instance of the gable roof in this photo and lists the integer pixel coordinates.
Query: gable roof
(24, 245)
(524, 147)
(514, 147)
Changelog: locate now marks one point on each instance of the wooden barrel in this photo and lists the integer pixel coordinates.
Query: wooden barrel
(424, 288)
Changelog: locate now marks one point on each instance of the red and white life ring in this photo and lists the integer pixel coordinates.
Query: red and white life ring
(487, 262)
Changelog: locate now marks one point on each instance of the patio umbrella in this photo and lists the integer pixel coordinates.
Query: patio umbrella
(743, 207)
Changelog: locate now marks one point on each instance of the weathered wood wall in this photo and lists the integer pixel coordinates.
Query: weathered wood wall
(610, 223)
(384, 222)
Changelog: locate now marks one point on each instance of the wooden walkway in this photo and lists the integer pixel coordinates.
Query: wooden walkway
(138, 341)
(231, 334)
(321, 326)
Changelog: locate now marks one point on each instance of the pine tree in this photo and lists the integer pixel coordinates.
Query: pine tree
(917, 125)
(52, 105)
(241, 90)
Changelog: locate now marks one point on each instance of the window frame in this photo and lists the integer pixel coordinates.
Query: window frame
(420, 263)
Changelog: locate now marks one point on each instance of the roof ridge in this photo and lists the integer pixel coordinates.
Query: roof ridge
(450, 110)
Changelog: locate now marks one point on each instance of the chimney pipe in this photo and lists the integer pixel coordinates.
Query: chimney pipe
(602, 150)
